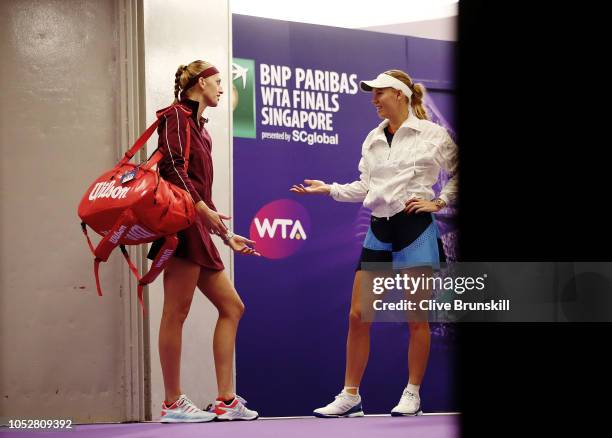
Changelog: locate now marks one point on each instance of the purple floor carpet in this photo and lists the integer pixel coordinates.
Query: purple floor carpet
(435, 426)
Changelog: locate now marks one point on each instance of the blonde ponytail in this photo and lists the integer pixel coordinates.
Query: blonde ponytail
(418, 93)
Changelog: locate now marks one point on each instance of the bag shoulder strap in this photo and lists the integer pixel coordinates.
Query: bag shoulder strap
(159, 264)
(109, 242)
(104, 248)
(142, 140)
(158, 155)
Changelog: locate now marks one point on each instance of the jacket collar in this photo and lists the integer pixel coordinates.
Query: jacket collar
(412, 122)
(193, 106)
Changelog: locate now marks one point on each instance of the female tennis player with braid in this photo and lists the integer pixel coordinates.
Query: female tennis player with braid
(196, 261)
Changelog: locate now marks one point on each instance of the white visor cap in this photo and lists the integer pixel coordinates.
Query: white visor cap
(384, 80)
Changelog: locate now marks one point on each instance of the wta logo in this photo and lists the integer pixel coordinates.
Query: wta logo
(280, 228)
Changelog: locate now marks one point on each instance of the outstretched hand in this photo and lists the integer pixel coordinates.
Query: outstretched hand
(312, 187)
(241, 244)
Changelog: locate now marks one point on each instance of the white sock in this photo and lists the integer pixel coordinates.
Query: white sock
(413, 389)
(351, 387)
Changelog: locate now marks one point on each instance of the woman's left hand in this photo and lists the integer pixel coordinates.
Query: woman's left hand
(417, 205)
(241, 245)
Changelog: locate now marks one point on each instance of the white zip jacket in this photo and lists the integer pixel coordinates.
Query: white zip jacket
(390, 176)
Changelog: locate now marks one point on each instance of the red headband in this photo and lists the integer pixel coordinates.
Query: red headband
(203, 74)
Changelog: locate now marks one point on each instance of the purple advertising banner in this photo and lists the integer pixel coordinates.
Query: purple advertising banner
(299, 114)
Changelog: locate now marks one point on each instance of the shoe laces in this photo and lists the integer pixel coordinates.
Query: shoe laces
(342, 399)
(241, 405)
(185, 402)
(409, 395)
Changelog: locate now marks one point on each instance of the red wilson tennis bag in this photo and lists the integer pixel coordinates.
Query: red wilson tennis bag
(131, 204)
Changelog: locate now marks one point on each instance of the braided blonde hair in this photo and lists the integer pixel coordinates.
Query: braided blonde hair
(184, 73)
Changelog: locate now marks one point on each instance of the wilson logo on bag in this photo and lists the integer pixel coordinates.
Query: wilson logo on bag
(106, 190)
(131, 204)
